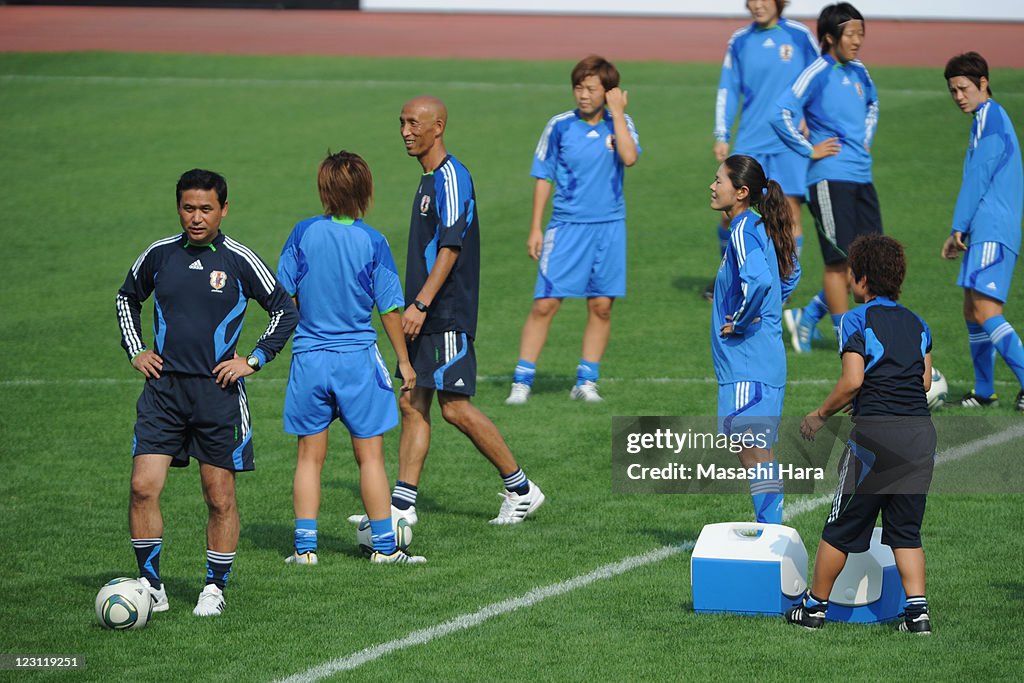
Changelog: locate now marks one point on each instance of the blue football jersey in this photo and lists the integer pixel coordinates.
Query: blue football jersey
(760, 64)
(989, 207)
(584, 165)
(750, 292)
(339, 270)
(837, 101)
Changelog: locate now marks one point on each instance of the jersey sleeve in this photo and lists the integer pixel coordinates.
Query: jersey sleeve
(755, 279)
(727, 100)
(387, 287)
(871, 120)
(291, 267)
(259, 284)
(631, 127)
(545, 156)
(979, 167)
(137, 287)
(851, 335)
(790, 110)
(454, 205)
(790, 283)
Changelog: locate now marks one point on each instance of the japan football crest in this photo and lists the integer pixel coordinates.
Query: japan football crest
(785, 52)
(424, 204)
(609, 142)
(218, 279)
(860, 90)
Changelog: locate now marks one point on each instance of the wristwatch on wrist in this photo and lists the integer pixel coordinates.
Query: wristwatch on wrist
(254, 362)
(420, 306)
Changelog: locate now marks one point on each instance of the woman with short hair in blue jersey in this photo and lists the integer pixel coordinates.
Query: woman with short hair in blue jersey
(759, 270)
(761, 61)
(986, 225)
(837, 99)
(339, 269)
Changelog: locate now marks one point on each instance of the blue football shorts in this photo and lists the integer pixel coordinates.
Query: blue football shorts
(582, 260)
(445, 361)
(988, 268)
(352, 386)
(787, 168)
(750, 406)
(191, 416)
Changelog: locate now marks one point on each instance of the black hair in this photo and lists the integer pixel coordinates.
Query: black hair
(199, 179)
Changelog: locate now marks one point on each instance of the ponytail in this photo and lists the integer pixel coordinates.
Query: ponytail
(778, 223)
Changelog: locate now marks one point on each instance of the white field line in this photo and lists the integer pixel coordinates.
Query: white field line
(530, 598)
(366, 83)
(491, 379)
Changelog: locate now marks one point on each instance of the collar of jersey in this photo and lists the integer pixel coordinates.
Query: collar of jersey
(443, 162)
(605, 116)
(758, 29)
(881, 301)
(981, 107)
(212, 246)
(343, 220)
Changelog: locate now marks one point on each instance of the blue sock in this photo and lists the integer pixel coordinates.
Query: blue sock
(1007, 343)
(525, 372)
(799, 239)
(587, 372)
(813, 603)
(766, 492)
(147, 555)
(983, 355)
(218, 567)
(815, 310)
(516, 482)
(723, 239)
(404, 495)
(916, 605)
(836, 319)
(305, 536)
(383, 536)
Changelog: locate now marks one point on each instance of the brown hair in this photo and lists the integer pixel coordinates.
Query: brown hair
(596, 66)
(971, 66)
(345, 184)
(770, 201)
(882, 260)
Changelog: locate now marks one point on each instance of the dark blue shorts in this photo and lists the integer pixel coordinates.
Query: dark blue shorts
(189, 416)
(886, 468)
(445, 361)
(842, 212)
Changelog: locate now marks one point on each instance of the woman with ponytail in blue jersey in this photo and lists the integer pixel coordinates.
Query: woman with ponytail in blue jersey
(758, 272)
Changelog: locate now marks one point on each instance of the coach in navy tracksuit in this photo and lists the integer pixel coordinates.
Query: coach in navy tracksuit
(194, 402)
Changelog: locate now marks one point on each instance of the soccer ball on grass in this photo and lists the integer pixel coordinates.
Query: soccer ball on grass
(403, 534)
(123, 603)
(937, 394)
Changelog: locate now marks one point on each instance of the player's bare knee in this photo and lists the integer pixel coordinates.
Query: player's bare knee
(545, 308)
(600, 308)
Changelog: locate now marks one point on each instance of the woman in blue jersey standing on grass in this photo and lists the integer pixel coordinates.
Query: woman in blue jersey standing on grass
(759, 271)
(761, 61)
(986, 228)
(837, 99)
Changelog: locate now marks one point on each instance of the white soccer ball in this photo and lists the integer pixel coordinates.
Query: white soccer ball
(403, 534)
(124, 603)
(937, 394)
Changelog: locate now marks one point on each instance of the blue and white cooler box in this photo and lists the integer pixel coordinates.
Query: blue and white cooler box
(868, 590)
(746, 568)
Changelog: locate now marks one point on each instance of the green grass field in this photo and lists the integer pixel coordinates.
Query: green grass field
(92, 146)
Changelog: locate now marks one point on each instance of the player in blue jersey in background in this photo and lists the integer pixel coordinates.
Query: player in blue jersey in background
(761, 62)
(986, 225)
(339, 269)
(442, 295)
(838, 101)
(888, 462)
(581, 157)
(194, 403)
(759, 270)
